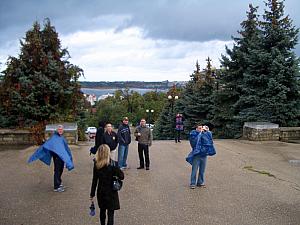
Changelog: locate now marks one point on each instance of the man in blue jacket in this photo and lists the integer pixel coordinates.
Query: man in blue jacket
(202, 146)
(124, 139)
(57, 148)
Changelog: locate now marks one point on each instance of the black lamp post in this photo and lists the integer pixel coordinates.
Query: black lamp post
(149, 111)
(172, 99)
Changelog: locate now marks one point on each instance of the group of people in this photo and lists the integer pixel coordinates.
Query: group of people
(122, 139)
(109, 162)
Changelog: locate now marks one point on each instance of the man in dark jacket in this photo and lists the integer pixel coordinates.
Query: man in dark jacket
(99, 135)
(111, 139)
(144, 137)
(124, 139)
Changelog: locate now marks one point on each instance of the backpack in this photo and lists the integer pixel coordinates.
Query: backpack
(93, 150)
(193, 138)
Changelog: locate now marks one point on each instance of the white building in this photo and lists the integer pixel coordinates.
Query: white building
(105, 96)
(91, 98)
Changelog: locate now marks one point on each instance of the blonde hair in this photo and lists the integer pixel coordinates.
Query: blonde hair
(102, 156)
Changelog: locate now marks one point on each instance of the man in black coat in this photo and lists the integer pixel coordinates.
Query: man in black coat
(111, 139)
(99, 135)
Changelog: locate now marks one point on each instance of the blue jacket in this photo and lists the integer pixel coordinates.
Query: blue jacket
(56, 144)
(207, 143)
(193, 138)
(124, 135)
(204, 147)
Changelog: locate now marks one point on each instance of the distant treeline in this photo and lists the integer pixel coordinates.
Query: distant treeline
(126, 84)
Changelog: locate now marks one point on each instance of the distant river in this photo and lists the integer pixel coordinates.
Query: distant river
(99, 92)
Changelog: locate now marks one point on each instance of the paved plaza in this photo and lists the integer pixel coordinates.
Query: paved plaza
(247, 183)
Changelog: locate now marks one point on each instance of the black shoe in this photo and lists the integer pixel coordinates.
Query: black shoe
(140, 167)
(147, 168)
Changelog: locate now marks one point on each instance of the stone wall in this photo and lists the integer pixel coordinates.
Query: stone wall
(15, 137)
(70, 132)
(25, 137)
(289, 133)
(257, 131)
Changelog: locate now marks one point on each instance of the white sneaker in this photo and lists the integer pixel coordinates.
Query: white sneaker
(60, 189)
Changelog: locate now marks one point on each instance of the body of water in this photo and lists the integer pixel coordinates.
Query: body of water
(99, 92)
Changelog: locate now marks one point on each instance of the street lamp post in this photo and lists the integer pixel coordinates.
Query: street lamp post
(149, 111)
(172, 99)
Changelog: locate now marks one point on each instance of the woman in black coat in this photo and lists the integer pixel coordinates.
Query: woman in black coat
(108, 199)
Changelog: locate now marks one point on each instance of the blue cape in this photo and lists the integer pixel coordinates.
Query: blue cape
(56, 144)
(193, 138)
(204, 147)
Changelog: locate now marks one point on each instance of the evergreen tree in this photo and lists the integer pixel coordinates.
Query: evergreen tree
(196, 76)
(164, 126)
(233, 67)
(278, 66)
(41, 84)
(196, 102)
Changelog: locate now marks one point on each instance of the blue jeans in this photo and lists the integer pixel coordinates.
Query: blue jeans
(198, 162)
(122, 155)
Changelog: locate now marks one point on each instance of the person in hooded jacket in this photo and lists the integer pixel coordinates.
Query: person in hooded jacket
(103, 173)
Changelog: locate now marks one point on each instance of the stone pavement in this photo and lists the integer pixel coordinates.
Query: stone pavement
(247, 183)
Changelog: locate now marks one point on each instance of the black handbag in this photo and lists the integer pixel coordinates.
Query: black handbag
(117, 184)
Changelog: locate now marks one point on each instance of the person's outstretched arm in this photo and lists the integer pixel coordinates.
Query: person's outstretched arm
(94, 182)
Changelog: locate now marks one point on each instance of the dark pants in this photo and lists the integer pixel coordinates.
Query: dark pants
(110, 215)
(143, 149)
(58, 170)
(177, 136)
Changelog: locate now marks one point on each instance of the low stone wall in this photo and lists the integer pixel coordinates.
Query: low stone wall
(15, 137)
(70, 132)
(289, 133)
(255, 131)
(258, 131)
(25, 137)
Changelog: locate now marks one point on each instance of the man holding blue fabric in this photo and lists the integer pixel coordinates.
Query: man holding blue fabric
(58, 166)
(202, 146)
(57, 148)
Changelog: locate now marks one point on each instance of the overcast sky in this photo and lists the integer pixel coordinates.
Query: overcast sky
(146, 40)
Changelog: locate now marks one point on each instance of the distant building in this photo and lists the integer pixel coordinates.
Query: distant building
(91, 98)
(105, 96)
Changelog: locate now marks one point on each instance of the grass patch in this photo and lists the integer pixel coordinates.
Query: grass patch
(250, 168)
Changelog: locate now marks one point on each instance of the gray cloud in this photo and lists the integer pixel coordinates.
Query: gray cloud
(173, 32)
(191, 20)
